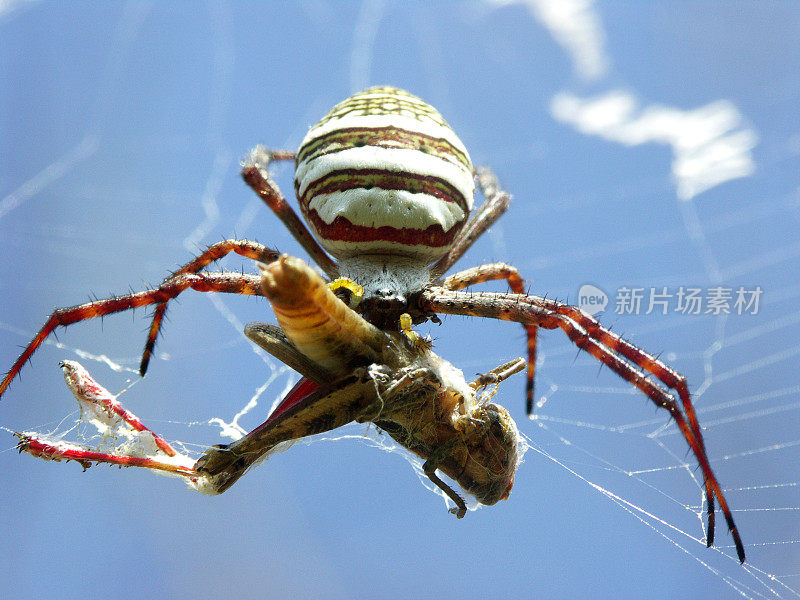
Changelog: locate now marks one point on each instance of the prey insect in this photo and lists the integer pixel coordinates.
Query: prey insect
(385, 188)
(419, 399)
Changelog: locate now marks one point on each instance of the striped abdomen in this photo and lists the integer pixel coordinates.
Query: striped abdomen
(383, 173)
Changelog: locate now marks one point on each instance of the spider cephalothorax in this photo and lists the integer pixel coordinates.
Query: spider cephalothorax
(387, 188)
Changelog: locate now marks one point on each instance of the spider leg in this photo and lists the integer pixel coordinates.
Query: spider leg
(493, 272)
(661, 371)
(254, 172)
(655, 367)
(214, 252)
(266, 156)
(608, 348)
(492, 209)
(231, 283)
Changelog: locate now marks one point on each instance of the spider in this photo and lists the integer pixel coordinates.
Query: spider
(386, 188)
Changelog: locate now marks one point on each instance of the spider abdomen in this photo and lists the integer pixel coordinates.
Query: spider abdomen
(383, 173)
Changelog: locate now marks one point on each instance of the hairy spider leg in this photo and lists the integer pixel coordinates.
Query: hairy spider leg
(538, 311)
(214, 252)
(655, 367)
(230, 283)
(255, 175)
(494, 206)
(493, 272)
(254, 172)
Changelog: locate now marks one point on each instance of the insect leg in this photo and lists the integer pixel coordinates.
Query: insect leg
(499, 374)
(430, 466)
(142, 446)
(272, 339)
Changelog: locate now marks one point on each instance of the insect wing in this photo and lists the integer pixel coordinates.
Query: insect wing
(302, 390)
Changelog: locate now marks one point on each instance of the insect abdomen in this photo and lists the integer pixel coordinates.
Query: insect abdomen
(383, 173)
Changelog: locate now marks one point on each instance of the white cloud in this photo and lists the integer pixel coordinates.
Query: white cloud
(710, 144)
(577, 27)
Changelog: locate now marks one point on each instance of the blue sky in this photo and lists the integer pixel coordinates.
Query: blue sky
(646, 146)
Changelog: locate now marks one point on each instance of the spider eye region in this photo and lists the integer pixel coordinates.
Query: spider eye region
(384, 306)
(389, 284)
(389, 297)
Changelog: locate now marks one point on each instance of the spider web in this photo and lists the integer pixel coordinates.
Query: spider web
(645, 149)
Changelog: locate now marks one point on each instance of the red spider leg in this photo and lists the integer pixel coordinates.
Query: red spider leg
(231, 283)
(50, 450)
(88, 392)
(655, 367)
(255, 174)
(492, 209)
(491, 272)
(536, 310)
(650, 364)
(214, 252)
